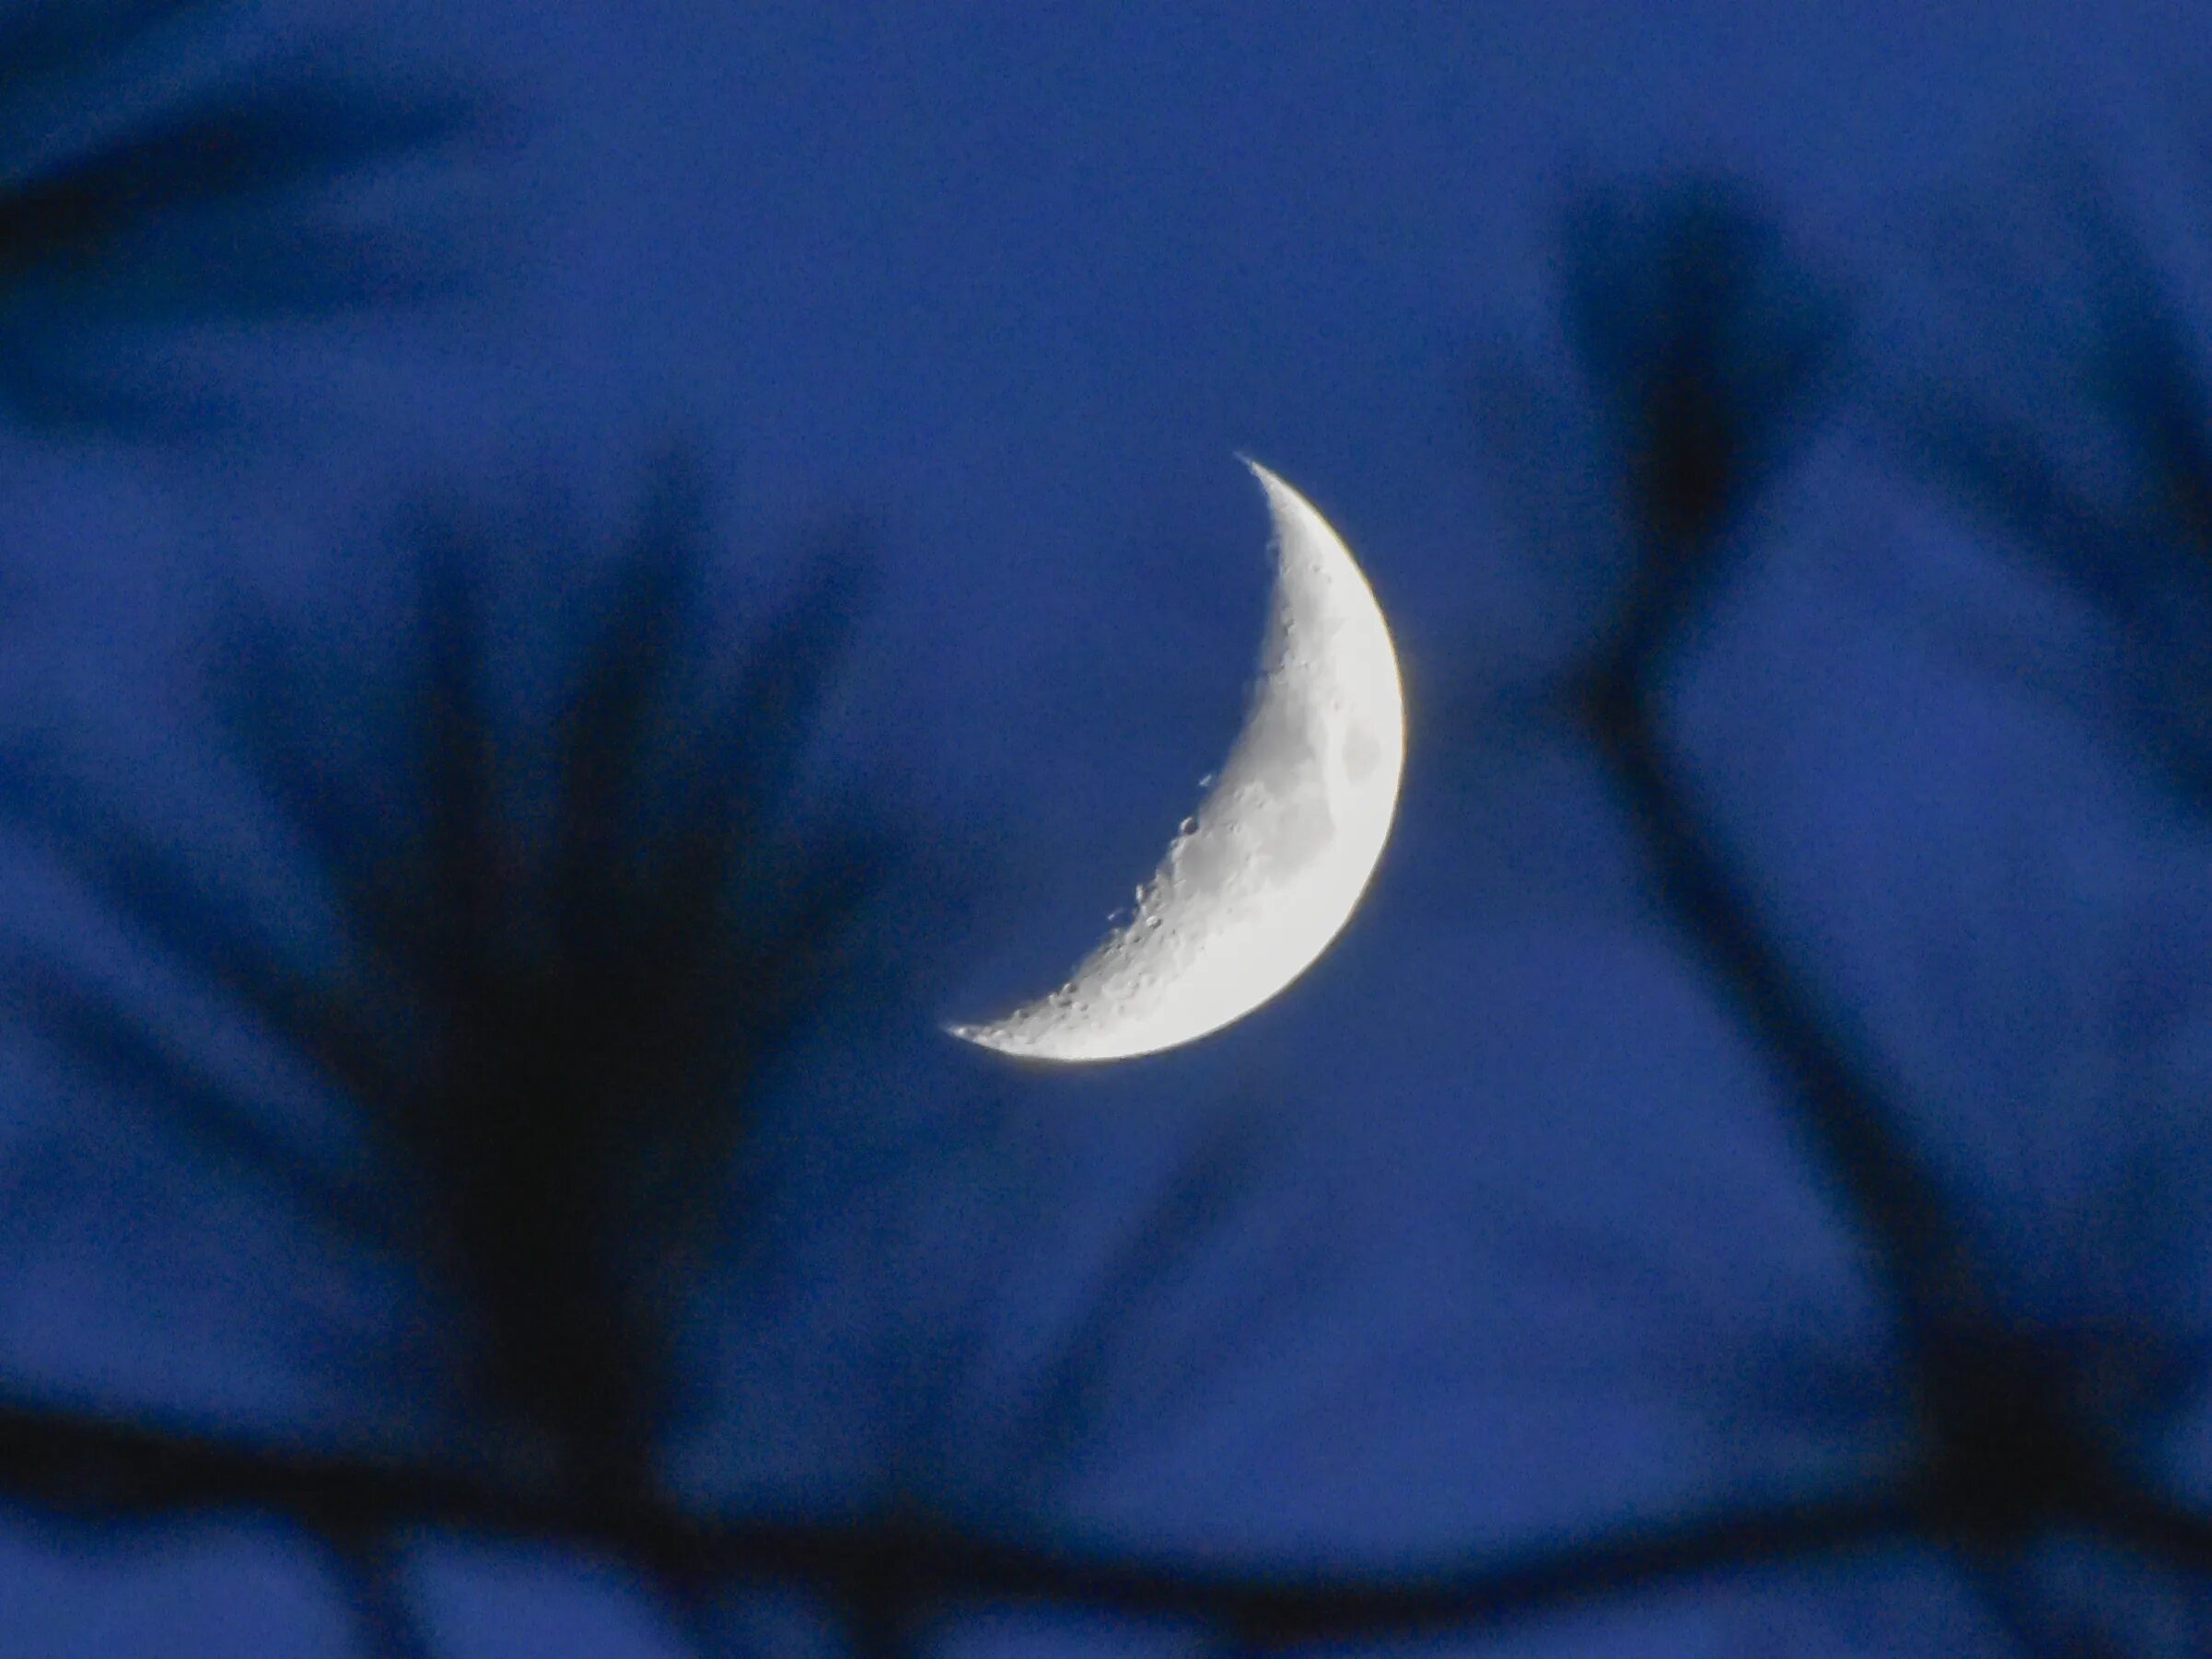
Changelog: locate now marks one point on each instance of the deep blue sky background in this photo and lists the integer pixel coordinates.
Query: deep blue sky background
(1509, 1231)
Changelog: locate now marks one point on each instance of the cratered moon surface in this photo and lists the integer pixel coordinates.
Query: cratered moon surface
(1269, 869)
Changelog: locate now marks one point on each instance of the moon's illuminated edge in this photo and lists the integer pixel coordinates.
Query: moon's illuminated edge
(1264, 876)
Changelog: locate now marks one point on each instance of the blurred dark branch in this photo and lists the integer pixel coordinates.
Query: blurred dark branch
(883, 1597)
(1695, 322)
(155, 176)
(2129, 362)
(50, 41)
(1709, 342)
(2156, 381)
(380, 1611)
(1905, 1220)
(239, 151)
(886, 1573)
(79, 1463)
(148, 1065)
(2004, 1447)
(588, 1006)
(1062, 1405)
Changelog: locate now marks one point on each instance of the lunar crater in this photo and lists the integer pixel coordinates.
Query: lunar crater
(1262, 878)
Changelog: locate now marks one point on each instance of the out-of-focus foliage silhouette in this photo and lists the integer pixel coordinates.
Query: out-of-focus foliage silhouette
(566, 923)
(162, 165)
(2013, 1439)
(1703, 345)
(2081, 429)
(462, 887)
(593, 963)
(1741, 334)
(1705, 340)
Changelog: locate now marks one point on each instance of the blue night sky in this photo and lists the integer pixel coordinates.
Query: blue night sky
(580, 577)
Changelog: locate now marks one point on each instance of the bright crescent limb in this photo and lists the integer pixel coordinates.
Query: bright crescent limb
(1267, 872)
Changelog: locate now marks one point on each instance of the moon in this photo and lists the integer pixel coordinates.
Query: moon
(1266, 873)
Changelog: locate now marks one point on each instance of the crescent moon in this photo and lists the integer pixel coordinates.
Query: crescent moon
(1264, 876)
